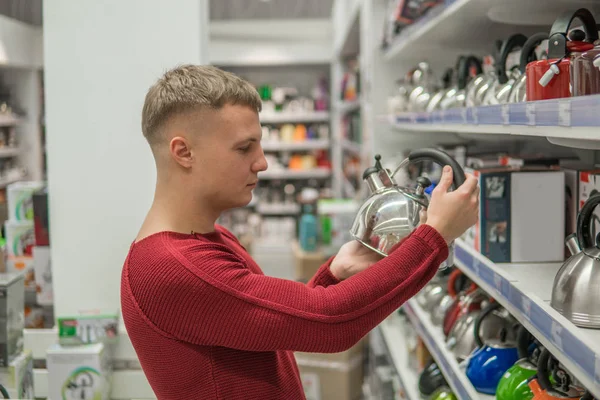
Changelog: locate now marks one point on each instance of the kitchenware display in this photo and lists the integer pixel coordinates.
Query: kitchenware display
(431, 379)
(505, 77)
(436, 99)
(443, 394)
(493, 357)
(467, 67)
(542, 387)
(518, 92)
(434, 291)
(461, 306)
(424, 87)
(576, 290)
(392, 212)
(565, 67)
(458, 285)
(513, 384)
(480, 84)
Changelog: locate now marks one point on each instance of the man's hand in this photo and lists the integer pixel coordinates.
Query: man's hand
(452, 213)
(352, 258)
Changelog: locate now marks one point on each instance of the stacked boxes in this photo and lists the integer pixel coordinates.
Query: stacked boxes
(12, 319)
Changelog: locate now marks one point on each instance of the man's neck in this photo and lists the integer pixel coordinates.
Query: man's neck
(178, 213)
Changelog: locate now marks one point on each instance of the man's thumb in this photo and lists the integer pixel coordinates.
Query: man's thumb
(446, 179)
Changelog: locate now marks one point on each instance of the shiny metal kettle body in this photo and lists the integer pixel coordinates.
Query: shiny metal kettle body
(391, 213)
(576, 290)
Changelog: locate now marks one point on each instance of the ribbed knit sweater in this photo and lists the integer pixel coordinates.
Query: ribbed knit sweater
(206, 323)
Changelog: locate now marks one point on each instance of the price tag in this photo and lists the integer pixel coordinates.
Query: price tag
(526, 306)
(498, 283)
(464, 115)
(557, 335)
(505, 114)
(564, 113)
(530, 113)
(476, 266)
(475, 116)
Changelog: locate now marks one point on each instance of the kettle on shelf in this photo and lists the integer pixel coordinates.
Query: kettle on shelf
(493, 357)
(500, 90)
(566, 72)
(431, 379)
(392, 212)
(576, 289)
(518, 93)
(513, 384)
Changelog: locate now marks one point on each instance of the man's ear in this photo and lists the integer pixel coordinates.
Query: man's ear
(181, 151)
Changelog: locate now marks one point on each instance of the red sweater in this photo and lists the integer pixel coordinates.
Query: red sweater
(206, 323)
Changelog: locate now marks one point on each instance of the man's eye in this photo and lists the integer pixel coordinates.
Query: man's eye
(244, 149)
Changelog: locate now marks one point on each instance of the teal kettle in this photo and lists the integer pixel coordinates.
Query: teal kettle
(490, 360)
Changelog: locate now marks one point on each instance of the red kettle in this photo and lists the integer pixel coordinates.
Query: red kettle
(552, 78)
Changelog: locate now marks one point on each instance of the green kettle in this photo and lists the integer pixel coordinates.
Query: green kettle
(443, 393)
(513, 384)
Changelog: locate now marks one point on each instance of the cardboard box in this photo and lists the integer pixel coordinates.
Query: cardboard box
(306, 264)
(20, 241)
(17, 378)
(12, 319)
(88, 329)
(522, 215)
(79, 372)
(43, 275)
(325, 380)
(20, 200)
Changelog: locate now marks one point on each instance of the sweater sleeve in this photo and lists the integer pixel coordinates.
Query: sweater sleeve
(323, 277)
(228, 305)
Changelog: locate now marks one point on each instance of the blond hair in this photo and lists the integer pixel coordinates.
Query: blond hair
(188, 87)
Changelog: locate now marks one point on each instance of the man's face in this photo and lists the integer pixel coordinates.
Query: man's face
(228, 156)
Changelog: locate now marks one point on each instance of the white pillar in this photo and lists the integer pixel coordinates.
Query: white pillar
(100, 59)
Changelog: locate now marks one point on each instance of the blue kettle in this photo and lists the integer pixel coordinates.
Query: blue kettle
(489, 361)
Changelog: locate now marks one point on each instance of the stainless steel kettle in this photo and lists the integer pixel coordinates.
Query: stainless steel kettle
(391, 212)
(576, 290)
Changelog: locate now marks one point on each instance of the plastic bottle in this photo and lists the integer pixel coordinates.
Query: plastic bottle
(308, 232)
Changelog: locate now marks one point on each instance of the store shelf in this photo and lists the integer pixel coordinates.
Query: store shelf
(273, 117)
(346, 107)
(8, 120)
(435, 342)
(351, 147)
(525, 291)
(349, 42)
(395, 342)
(11, 179)
(278, 209)
(571, 122)
(295, 174)
(317, 144)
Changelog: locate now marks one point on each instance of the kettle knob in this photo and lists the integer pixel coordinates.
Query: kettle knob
(376, 168)
(422, 184)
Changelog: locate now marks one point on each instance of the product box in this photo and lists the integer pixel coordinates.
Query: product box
(40, 217)
(17, 378)
(324, 380)
(12, 320)
(522, 215)
(88, 329)
(20, 241)
(20, 199)
(589, 184)
(306, 263)
(43, 275)
(79, 372)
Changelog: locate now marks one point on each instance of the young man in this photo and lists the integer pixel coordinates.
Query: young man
(204, 320)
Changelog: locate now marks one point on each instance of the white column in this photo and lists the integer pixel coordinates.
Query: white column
(100, 59)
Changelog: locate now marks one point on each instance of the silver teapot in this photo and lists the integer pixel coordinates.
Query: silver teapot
(391, 212)
(576, 290)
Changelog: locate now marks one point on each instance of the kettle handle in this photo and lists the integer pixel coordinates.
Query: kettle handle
(557, 46)
(523, 339)
(484, 313)
(442, 158)
(515, 41)
(584, 221)
(528, 51)
(463, 69)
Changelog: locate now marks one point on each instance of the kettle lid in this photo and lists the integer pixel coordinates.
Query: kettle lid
(375, 169)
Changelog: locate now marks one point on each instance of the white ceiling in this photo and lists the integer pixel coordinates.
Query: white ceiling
(269, 9)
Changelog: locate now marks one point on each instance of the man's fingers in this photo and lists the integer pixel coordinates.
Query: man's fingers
(445, 180)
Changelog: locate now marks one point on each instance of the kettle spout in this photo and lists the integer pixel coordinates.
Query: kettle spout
(573, 244)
